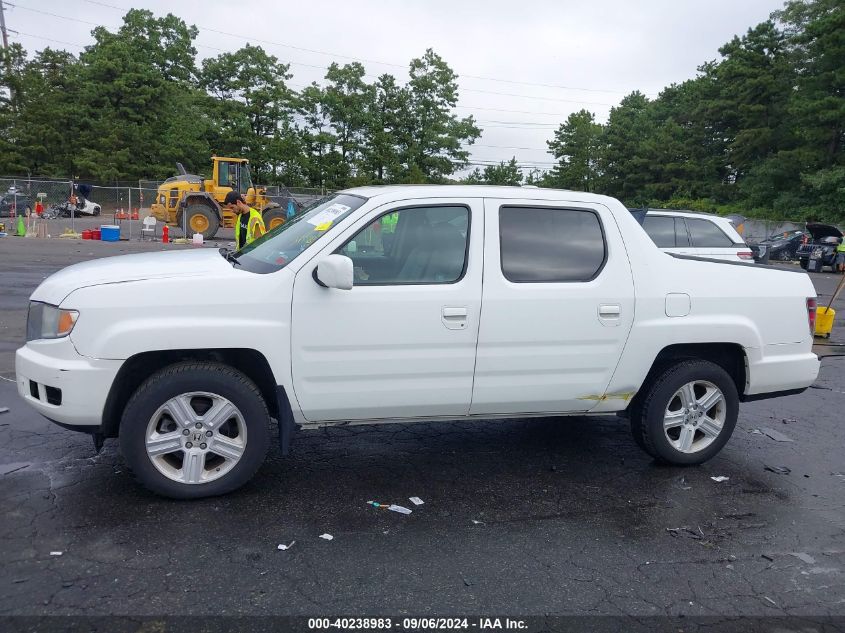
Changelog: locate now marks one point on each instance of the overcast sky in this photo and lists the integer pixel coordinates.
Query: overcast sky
(587, 53)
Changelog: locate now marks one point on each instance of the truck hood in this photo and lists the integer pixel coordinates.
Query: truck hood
(127, 268)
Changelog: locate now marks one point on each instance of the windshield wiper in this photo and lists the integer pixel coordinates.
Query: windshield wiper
(230, 256)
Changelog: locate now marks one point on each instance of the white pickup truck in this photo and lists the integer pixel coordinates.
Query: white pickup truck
(409, 303)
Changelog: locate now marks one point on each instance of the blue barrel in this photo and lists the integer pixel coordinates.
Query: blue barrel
(110, 233)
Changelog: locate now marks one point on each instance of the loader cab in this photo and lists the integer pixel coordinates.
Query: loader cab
(233, 173)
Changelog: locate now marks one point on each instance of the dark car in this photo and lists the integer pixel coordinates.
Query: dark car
(12, 205)
(782, 246)
(822, 246)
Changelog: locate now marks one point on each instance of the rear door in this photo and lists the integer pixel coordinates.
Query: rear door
(557, 307)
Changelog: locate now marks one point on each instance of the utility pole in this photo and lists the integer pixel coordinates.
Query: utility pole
(5, 47)
(3, 25)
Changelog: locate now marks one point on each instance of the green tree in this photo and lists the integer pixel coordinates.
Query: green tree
(253, 106)
(576, 146)
(503, 173)
(430, 138)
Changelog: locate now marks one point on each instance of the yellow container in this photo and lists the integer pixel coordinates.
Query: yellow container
(824, 321)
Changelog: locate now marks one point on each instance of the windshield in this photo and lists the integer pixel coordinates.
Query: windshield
(277, 248)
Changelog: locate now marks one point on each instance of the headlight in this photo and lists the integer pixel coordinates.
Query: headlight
(46, 321)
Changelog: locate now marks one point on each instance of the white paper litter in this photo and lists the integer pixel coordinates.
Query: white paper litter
(56, 553)
(478, 522)
(720, 478)
(326, 536)
(416, 501)
(777, 436)
(399, 509)
(283, 547)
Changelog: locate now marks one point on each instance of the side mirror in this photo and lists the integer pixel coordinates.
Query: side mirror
(335, 271)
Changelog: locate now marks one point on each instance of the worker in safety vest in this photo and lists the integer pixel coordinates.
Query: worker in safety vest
(249, 224)
(840, 256)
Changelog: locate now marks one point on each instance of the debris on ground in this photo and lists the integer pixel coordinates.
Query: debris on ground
(804, 557)
(393, 507)
(683, 484)
(768, 558)
(720, 478)
(778, 470)
(283, 547)
(56, 553)
(770, 600)
(326, 536)
(416, 501)
(789, 421)
(776, 435)
(478, 522)
(756, 432)
(4, 409)
(840, 475)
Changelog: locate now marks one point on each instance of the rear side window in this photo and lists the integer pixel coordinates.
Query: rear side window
(661, 230)
(540, 244)
(706, 234)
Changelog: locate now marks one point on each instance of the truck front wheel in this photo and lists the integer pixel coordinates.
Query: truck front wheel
(195, 429)
(687, 413)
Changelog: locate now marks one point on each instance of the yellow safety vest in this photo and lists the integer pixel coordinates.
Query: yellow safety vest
(255, 228)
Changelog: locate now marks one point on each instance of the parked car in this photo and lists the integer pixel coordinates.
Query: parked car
(782, 246)
(822, 246)
(12, 205)
(408, 303)
(699, 234)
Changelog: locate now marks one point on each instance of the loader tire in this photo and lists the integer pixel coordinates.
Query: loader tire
(274, 217)
(201, 219)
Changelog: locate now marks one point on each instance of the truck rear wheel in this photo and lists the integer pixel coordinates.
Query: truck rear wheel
(201, 219)
(687, 413)
(195, 429)
(274, 217)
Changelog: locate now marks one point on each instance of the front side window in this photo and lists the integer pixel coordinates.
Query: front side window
(541, 244)
(705, 234)
(419, 245)
(279, 246)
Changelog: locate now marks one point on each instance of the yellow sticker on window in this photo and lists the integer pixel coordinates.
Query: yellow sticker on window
(323, 227)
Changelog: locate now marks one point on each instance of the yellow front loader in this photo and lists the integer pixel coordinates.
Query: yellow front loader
(196, 201)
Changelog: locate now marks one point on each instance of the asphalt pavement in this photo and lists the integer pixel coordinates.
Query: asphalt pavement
(526, 517)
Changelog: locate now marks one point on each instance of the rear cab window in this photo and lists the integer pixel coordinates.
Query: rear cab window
(549, 244)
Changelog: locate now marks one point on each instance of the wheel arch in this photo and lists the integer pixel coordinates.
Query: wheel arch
(729, 356)
(136, 369)
(203, 198)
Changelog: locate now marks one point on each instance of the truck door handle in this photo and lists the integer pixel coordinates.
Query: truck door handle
(609, 313)
(454, 318)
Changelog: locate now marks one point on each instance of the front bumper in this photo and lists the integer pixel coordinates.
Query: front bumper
(63, 386)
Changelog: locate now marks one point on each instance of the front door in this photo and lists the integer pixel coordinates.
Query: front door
(558, 304)
(401, 343)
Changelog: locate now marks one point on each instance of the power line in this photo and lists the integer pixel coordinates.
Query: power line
(383, 63)
(64, 17)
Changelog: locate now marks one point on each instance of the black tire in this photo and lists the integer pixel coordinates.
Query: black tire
(185, 378)
(274, 217)
(210, 220)
(804, 263)
(96, 211)
(648, 410)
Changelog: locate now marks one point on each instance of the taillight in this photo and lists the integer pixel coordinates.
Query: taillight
(811, 315)
(745, 255)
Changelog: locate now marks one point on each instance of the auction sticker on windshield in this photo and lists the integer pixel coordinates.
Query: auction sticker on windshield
(329, 215)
